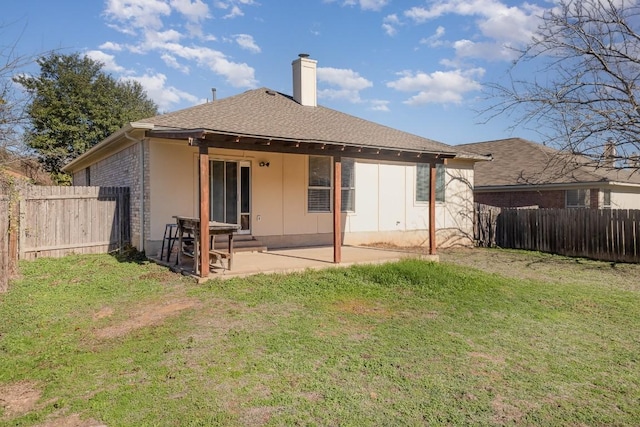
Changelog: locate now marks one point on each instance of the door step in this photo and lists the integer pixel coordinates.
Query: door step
(241, 243)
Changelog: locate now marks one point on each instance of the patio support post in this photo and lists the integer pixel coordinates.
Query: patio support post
(432, 208)
(337, 209)
(204, 210)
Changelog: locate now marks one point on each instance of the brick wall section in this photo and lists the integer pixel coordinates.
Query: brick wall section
(121, 169)
(515, 199)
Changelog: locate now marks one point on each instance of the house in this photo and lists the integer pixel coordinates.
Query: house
(524, 173)
(279, 166)
(22, 168)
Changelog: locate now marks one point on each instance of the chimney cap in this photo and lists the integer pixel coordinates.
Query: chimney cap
(303, 55)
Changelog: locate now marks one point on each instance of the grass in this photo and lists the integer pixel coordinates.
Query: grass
(408, 343)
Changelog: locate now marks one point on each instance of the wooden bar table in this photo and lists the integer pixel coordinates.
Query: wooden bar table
(189, 225)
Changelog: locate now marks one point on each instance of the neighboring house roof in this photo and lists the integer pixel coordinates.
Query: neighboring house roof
(518, 162)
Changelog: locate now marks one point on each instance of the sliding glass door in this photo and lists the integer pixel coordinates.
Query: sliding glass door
(230, 192)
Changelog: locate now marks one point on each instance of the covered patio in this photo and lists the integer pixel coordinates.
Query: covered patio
(284, 261)
(205, 140)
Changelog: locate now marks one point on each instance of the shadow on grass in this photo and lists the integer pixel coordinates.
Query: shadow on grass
(130, 255)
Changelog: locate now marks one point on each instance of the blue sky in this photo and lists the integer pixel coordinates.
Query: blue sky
(415, 65)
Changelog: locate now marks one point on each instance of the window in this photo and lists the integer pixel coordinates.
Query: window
(320, 184)
(319, 191)
(348, 194)
(578, 198)
(607, 199)
(87, 176)
(422, 182)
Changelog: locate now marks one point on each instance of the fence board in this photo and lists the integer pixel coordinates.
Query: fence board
(604, 234)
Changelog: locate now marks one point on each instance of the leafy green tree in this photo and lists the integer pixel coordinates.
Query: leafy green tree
(74, 105)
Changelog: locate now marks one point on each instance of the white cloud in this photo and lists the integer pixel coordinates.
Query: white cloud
(164, 96)
(172, 62)
(247, 42)
(440, 87)
(194, 11)
(235, 7)
(116, 47)
(502, 26)
(434, 40)
(236, 74)
(146, 17)
(348, 82)
(485, 50)
(373, 4)
(389, 24)
(145, 14)
(379, 105)
(345, 78)
(109, 61)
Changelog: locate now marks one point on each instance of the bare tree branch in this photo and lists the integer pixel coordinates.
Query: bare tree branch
(584, 95)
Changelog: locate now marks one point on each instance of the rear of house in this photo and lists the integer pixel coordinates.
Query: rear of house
(271, 169)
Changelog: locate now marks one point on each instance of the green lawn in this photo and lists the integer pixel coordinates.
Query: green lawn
(412, 343)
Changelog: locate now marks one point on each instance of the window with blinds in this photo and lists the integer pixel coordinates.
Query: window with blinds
(422, 182)
(321, 182)
(319, 189)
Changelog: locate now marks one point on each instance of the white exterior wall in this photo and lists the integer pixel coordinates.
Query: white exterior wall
(385, 206)
(625, 197)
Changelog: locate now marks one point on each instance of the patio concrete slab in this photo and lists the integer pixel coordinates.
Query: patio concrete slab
(300, 259)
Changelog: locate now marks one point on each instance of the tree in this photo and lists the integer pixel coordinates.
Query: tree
(583, 95)
(11, 103)
(74, 105)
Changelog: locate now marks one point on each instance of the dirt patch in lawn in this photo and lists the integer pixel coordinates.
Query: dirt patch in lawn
(149, 314)
(72, 420)
(545, 267)
(19, 398)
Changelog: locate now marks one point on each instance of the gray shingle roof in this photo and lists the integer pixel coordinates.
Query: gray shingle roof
(517, 161)
(268, 114)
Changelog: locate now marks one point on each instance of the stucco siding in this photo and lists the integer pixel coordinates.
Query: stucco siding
(625, 198)
(385, 206)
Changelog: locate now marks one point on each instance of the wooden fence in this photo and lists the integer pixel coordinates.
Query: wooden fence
(5, 271)
(55, 221)
(603, 234)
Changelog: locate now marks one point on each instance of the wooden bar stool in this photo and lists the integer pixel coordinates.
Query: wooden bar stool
(170, 237)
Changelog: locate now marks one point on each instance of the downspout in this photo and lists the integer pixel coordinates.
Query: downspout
(141, 166)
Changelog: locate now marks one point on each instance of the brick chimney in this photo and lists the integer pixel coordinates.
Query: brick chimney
(304, 80)
(610, 154)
